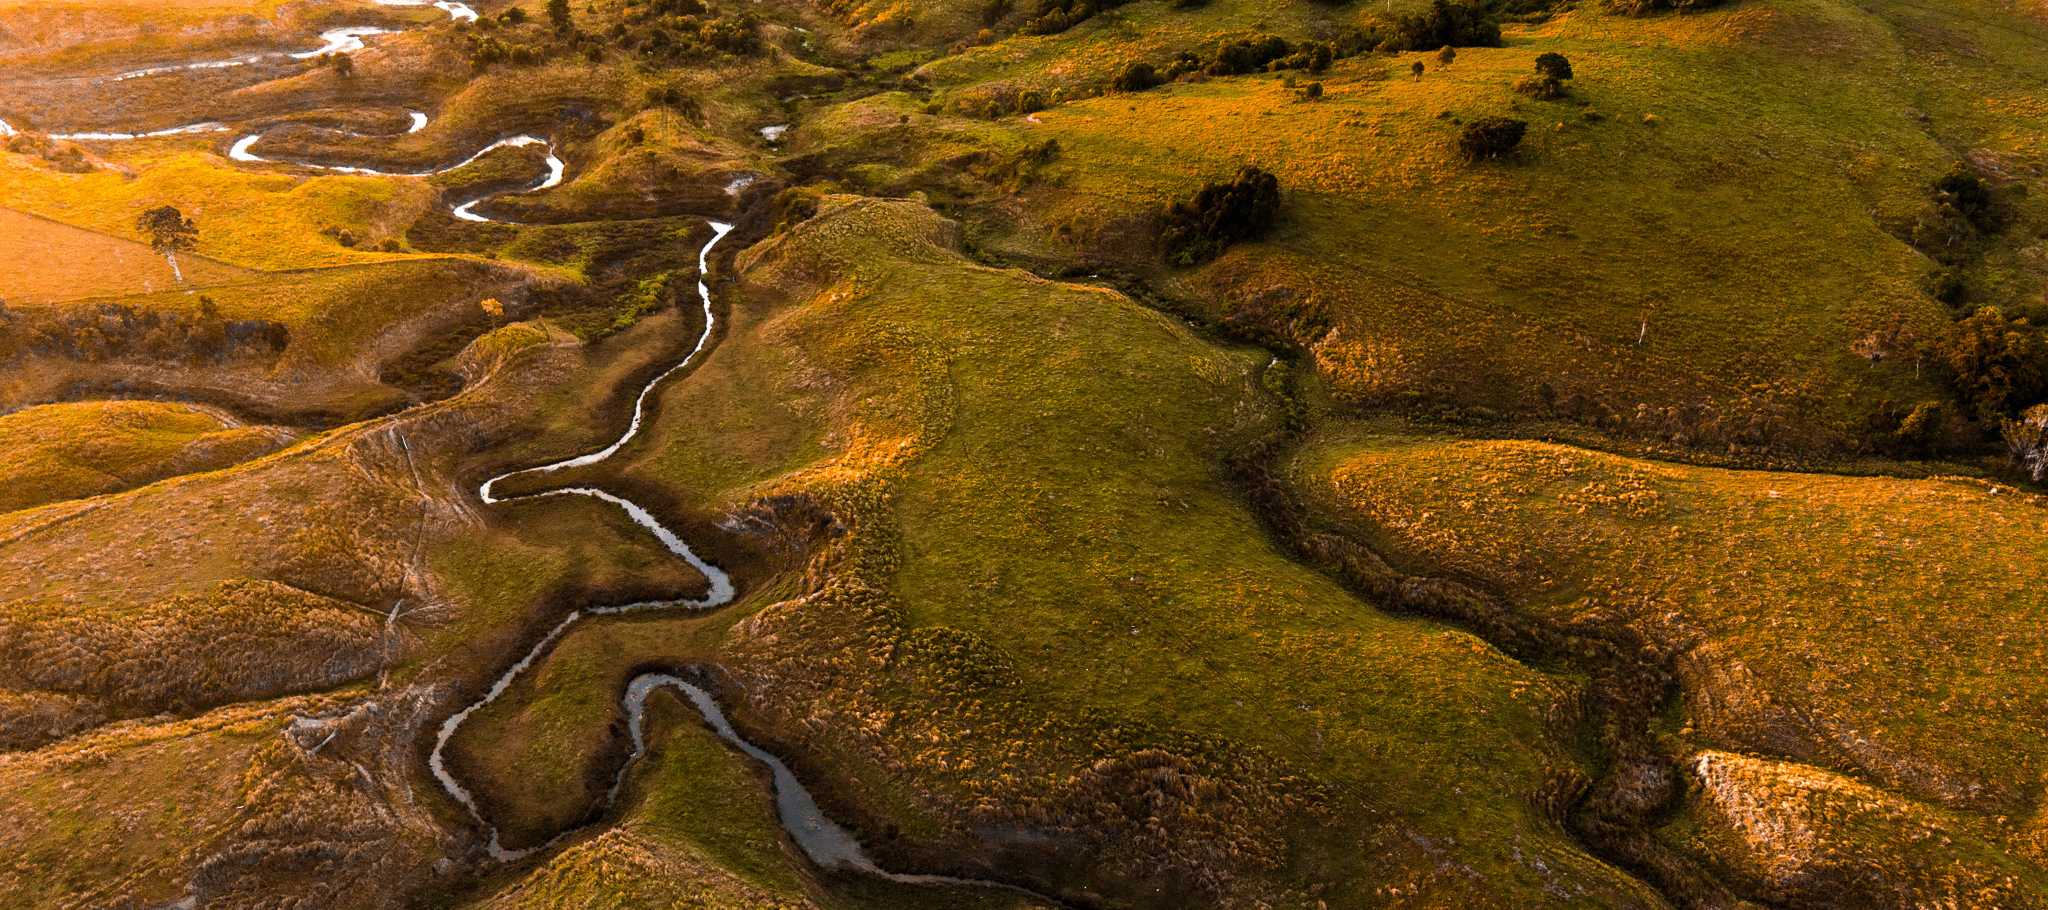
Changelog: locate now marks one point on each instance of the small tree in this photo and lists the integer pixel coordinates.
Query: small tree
(493, 309)
(169, 231)
(1995, 363)
(558, 13)
(1488, 138)
(2027, 437)
(1312, 92)
(1417, 70)
(1552, 70)
(1445, 56)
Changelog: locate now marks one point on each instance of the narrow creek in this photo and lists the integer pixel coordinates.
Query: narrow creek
(344, 40)
(823, 841)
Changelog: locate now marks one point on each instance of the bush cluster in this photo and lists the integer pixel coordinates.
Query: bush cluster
(1488, 138)
(676, 30)
(1996, 363)
(485, 52)
(1447, 23)
(113, 331)
(1255, 54)
(1055, 16)
(1220, 214)
(1647, 7)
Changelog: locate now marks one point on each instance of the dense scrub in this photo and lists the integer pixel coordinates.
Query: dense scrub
(113, 331)
(1220, 214)
(238, 641)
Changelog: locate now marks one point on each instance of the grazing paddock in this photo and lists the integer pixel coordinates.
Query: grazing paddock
(44, 261)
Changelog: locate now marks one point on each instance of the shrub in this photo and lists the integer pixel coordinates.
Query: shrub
(1246, 55)
(1646, 7)
(1445, 55)
(1488, 138)
(1464, 23)
(1310, 56)
(1135, 77)
(1198, 229)
(1965, 192)
(1548, 83)
(1997, 364)
(1055, 16)
(1538, 87)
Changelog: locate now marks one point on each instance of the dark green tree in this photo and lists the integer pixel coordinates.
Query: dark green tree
(1553, 65)
(169, 231)
(558, 13)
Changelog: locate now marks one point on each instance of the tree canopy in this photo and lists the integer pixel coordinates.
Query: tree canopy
(168, 229)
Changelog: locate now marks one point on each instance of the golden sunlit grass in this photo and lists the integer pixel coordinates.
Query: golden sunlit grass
(1880, 626)
(248, 218)
(72, 451)
(1051, 455)
(1717, 268)
(43, 260)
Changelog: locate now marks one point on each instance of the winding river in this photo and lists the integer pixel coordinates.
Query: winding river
(348, 39)
(823, 841)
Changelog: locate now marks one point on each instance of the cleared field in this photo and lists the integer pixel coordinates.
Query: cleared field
(73, 451)
(43, 261)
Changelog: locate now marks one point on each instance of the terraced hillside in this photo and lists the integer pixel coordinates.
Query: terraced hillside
(1239, 454)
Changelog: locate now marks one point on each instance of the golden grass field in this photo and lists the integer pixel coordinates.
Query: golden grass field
(42, 261)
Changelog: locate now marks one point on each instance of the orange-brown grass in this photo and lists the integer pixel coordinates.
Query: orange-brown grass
(1878, 626)
(240, 641)
(544, 754)
(72, 451)
(124, 811)
(43, 260)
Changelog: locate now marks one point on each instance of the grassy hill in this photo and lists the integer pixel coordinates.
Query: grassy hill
(1135, 584)
(1873, 627)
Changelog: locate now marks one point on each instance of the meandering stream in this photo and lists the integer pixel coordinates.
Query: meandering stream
(343, 40)
(823, 841)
